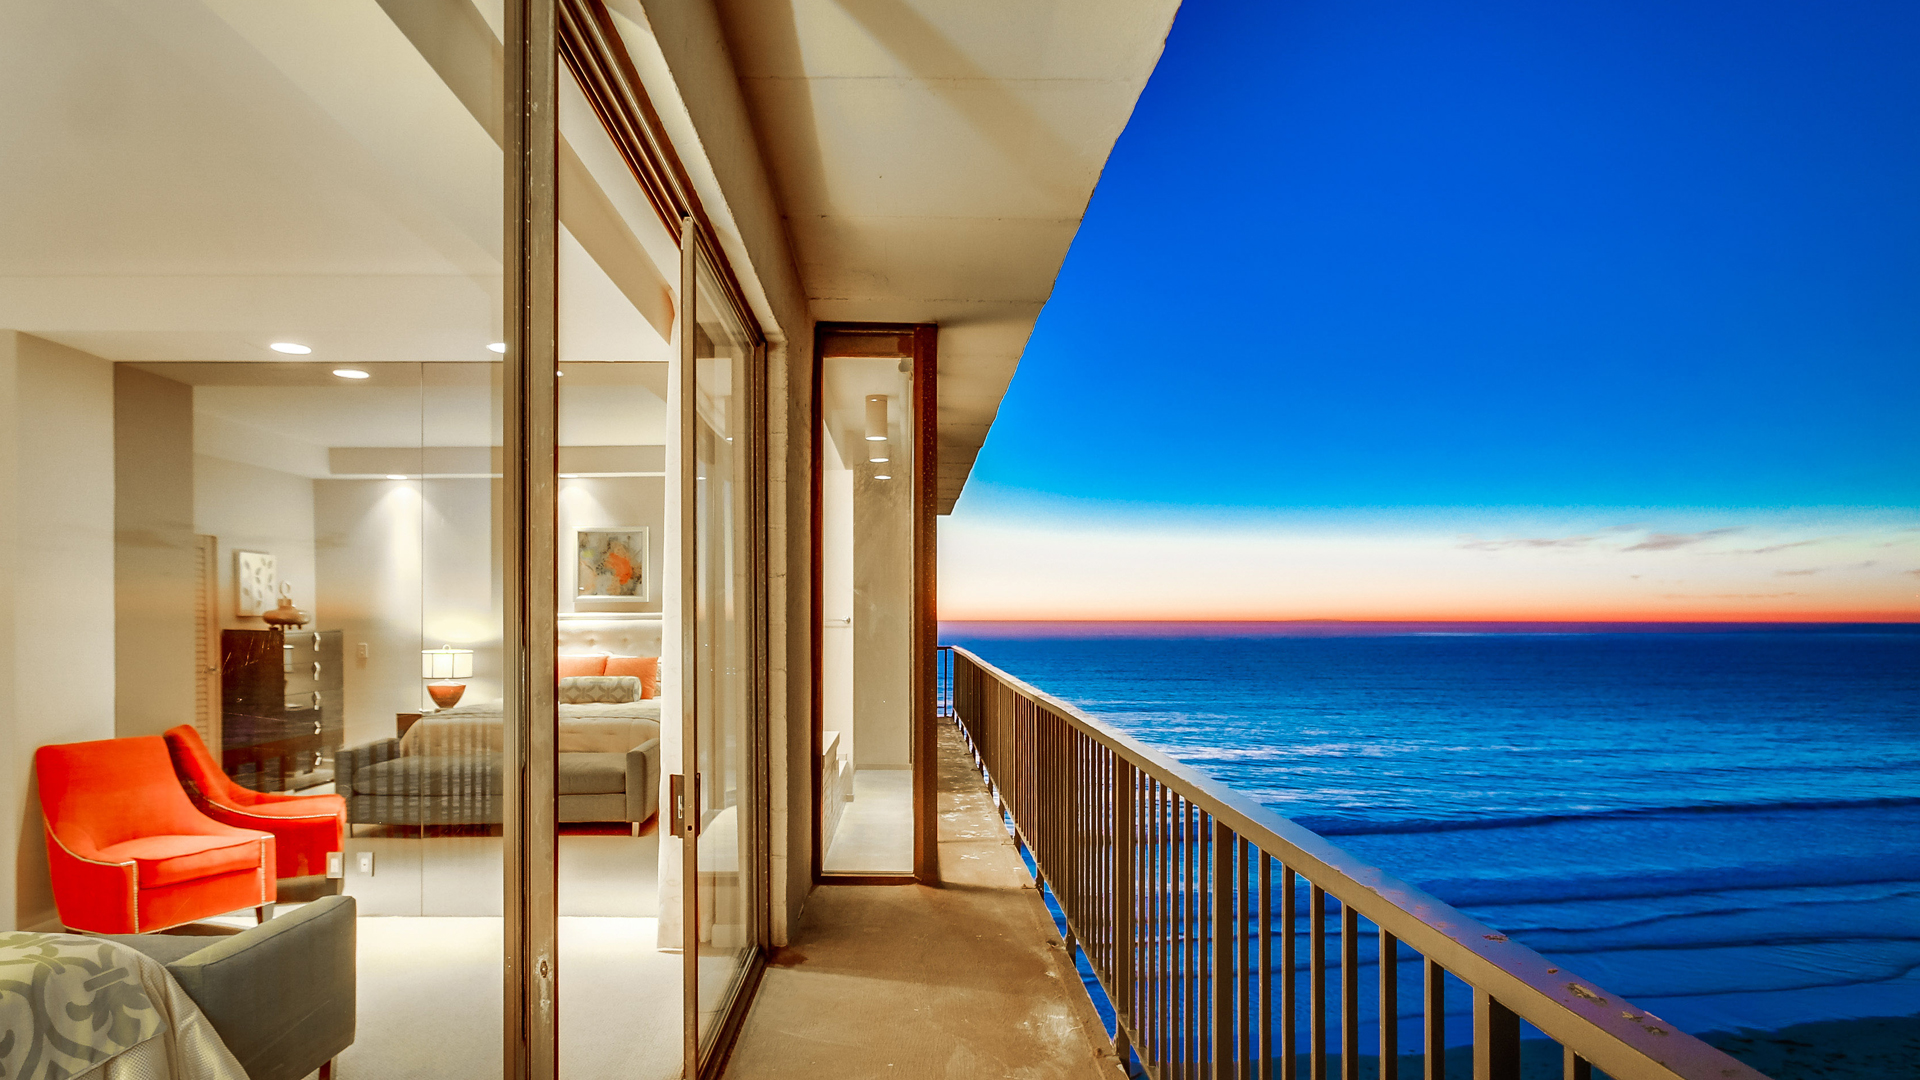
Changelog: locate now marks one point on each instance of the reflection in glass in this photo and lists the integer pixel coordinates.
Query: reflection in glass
(723, 619)
(866, 775)
(256, 267)
(622, 995)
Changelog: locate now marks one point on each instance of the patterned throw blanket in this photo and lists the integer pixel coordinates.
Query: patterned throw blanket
(73, 1007)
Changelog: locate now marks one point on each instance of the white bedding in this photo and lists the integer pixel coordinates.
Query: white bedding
(589, 729)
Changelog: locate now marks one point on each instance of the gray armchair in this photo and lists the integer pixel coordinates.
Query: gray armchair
(280, 995)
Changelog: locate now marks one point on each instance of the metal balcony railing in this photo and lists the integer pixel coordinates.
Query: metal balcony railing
(1169, 883)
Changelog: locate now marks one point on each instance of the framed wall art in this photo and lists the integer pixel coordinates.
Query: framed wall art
(255, 582)
(611, 564)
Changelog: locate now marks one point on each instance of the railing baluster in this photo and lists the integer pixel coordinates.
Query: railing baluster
(1389, 1006)
(1123, 855)
(1243, 936)
(1266, 965)
(1349, 993)
(1435, 1027)
(1496, 1039)
(1317, 985)
(1575, 1066)
(1190, 919)
(1163, 837)
(1222, 851)
(1290, 960)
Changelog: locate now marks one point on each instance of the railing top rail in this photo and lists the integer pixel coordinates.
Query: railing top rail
(1625, 1042)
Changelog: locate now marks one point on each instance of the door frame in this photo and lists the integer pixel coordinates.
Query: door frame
(541, 36)
(920, 343)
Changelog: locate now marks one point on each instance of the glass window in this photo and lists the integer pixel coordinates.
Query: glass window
(724, 620)
(866, 529)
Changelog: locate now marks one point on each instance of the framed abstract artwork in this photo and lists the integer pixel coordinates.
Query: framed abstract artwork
(611, 564)
(255, 577)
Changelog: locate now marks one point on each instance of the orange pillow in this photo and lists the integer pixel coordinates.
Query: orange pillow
(572, 667)
(646, 667)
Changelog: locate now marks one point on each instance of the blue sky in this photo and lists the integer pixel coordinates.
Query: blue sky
(1488, 271)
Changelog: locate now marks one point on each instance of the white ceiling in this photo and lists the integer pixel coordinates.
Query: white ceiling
(935, 158)
(191, 180)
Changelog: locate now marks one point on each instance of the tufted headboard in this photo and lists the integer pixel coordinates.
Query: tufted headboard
(619, 635)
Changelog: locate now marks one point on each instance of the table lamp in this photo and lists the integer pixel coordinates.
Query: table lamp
(446, 663)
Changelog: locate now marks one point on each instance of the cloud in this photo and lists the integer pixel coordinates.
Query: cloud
(1915, 573)
(1530, 542)
(1771, 548)
(1728, 596)
(1669, 541)
(1795, 573)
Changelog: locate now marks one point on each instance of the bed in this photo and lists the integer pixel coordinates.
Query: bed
(446, 769)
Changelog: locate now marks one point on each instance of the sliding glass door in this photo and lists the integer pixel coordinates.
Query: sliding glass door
(724, 751)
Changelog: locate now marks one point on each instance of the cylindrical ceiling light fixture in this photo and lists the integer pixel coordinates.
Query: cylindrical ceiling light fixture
(877, 452)
(876, 418)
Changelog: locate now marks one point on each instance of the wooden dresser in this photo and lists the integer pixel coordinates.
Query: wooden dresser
(281, 703)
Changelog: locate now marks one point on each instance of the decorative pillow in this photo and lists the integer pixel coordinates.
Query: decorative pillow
(644, 668)
(571, 666)
(599, 689)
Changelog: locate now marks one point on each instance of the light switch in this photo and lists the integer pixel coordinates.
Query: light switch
(336, 864)
(366, 863)
(363, 650)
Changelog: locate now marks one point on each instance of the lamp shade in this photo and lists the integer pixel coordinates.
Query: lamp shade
(876, 417)
(446, 662)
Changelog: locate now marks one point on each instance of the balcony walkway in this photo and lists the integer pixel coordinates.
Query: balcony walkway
(963, 981)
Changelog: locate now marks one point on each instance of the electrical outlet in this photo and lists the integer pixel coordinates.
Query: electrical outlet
(363, 650)
(366, 863)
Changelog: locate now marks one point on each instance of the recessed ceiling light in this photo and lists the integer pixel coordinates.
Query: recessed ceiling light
(878, 460)
(351, 373)
(498, 346)
(290, 348)
(395, 476)
(881, 476)
(560, 373)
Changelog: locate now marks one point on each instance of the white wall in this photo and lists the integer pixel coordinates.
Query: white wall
(250, 508)
(836, 599)
(154, 560)
(406, 565)
(882, 621)
(56, 588)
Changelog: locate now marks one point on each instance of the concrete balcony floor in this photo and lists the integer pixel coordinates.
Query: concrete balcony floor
(966, 980)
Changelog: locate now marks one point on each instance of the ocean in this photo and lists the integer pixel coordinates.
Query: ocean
(1722, 827)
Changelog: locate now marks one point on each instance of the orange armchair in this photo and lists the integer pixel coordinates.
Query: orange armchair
(305, 828)
(128, 851)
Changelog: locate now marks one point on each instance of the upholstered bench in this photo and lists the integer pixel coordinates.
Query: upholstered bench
(280, 995)
(391, 788)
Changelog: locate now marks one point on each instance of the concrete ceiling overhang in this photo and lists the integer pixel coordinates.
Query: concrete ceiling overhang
(935, 158)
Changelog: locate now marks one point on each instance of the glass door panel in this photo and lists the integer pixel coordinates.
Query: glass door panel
(617, 722)
(722, 906)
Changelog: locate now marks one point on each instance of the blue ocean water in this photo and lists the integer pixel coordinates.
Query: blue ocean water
(1723, 828)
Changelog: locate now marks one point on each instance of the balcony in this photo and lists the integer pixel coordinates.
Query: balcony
(1223, 940)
